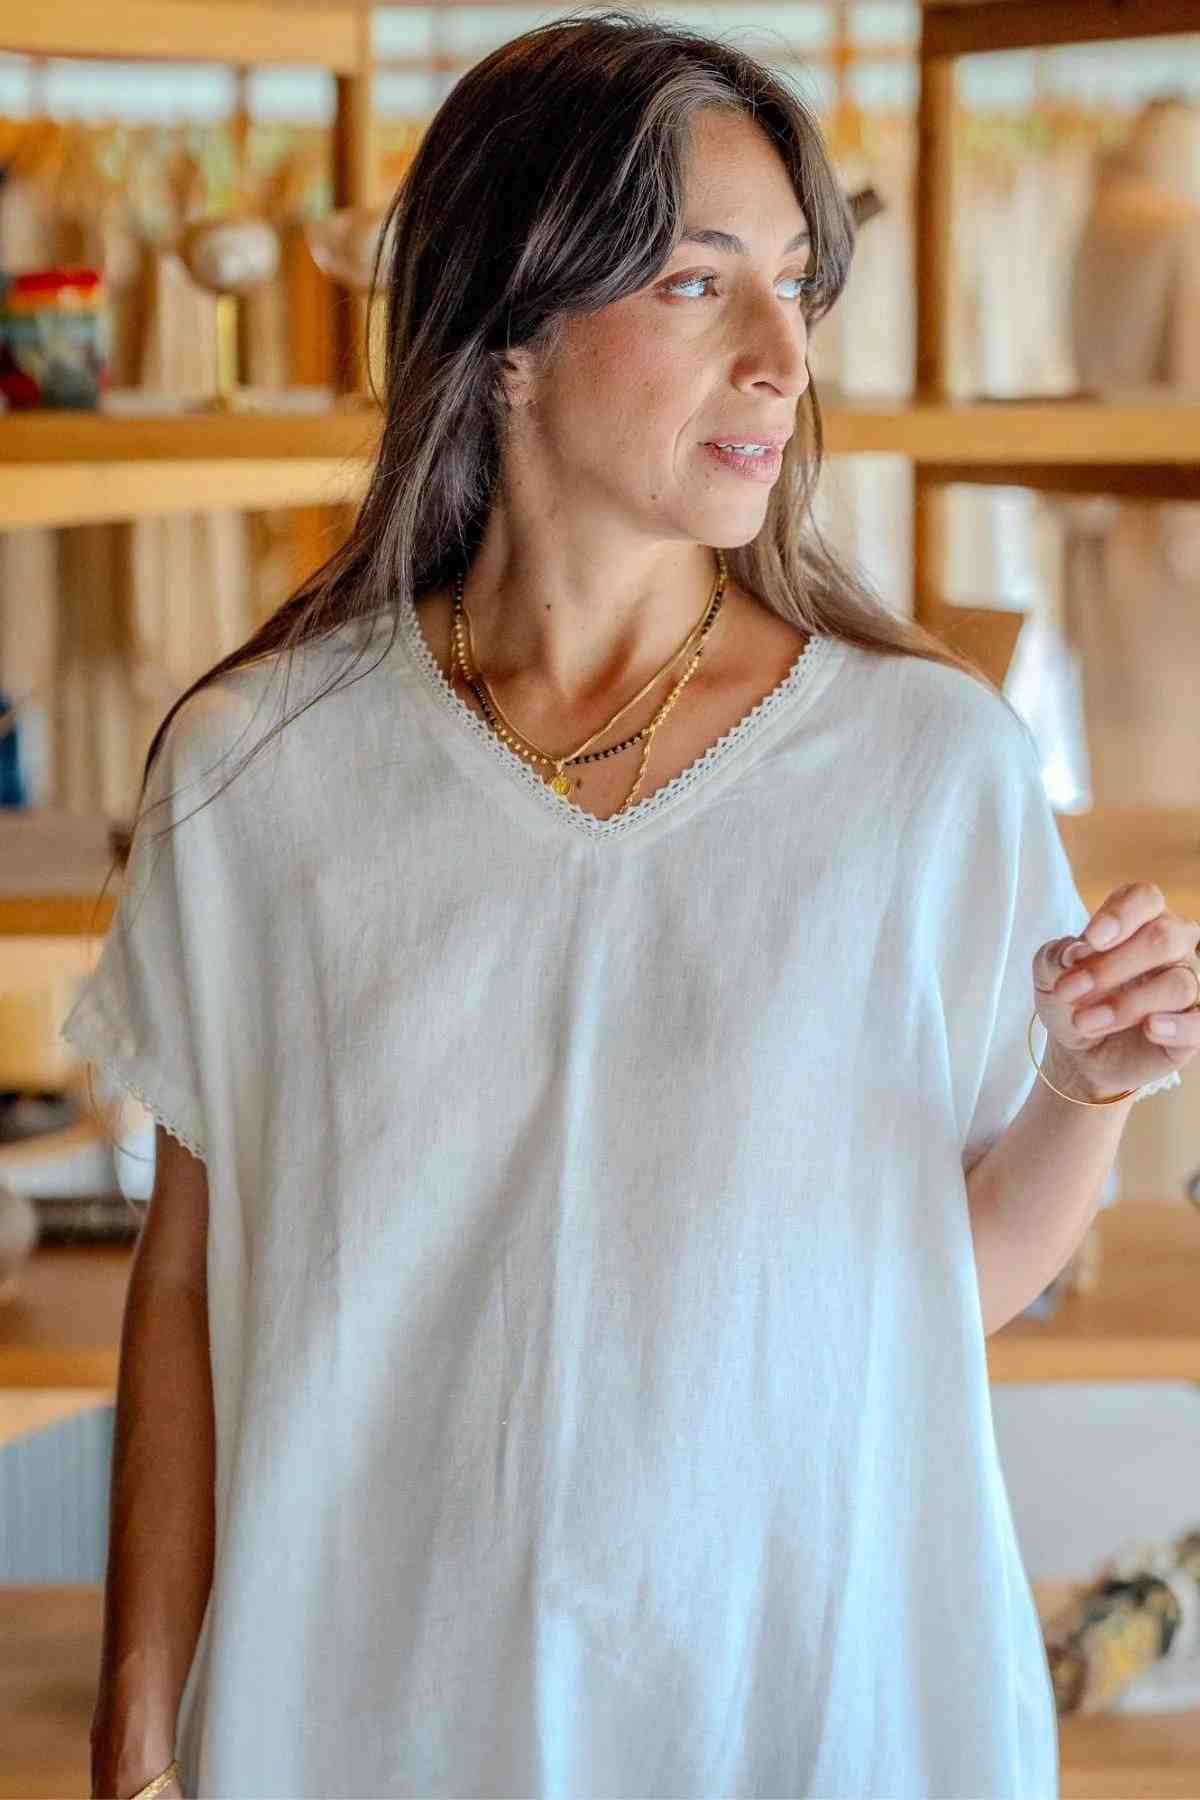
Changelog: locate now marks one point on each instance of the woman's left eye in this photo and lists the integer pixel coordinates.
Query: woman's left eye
(805, 283)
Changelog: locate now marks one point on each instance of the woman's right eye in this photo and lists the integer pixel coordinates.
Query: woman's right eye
(673, 287)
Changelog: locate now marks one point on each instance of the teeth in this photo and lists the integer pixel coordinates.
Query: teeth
(746, 449)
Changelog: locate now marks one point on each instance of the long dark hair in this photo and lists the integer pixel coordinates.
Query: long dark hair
(550, 182)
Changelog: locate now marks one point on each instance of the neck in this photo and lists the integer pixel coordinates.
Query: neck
(564, 620)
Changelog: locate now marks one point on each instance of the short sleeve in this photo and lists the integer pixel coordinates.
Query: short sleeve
(1017, 893)
(1020, 892)
(135, 1015)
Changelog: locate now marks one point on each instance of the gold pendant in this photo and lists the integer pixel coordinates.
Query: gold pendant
(561, 784)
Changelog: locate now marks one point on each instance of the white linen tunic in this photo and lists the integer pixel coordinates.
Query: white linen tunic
(601, 1397)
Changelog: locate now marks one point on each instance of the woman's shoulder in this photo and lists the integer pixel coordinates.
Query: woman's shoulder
(262, 689)
(948, 730)
(939, 696)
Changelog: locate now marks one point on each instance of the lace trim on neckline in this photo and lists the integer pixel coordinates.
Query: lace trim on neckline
(818, 646)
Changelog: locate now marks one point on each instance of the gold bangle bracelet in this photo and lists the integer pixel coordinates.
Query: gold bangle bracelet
(1112, 1098)
(170, 1773)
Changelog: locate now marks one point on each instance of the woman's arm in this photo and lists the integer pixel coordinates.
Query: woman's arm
(161, 1520)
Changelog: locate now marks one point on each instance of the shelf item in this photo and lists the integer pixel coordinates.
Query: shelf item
(1122, 1755)
(335, 35)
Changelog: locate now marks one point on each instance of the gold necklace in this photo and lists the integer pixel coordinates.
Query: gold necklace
(525, 747)
(470, 666)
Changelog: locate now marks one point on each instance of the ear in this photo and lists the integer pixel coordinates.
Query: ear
(517, 377)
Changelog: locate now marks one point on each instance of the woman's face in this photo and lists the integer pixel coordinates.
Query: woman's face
(714, 348)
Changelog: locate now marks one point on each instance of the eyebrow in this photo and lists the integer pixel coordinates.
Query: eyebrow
(733, 246)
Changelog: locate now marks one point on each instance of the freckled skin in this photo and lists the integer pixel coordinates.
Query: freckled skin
(622, 417)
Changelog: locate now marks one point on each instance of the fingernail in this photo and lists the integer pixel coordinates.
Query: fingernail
(1104, 929)
(1162, 1027)
(1074, 987)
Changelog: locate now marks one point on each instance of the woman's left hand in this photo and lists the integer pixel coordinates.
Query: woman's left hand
(1148, 973)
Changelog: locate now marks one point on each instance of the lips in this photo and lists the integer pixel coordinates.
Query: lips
(774, 440)
(762, 465)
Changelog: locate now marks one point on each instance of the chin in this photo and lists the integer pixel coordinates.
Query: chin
(722, 538)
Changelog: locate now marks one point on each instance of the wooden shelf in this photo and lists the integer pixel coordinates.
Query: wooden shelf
(1080, 444)
(1141, 1324)
(63, 1329)
(53, 866)
(62, 467)
(328, 32)
(969, 27)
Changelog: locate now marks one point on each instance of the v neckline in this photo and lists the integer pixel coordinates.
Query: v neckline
(819, 653)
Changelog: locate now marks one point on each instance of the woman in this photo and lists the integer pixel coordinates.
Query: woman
(584, 1021)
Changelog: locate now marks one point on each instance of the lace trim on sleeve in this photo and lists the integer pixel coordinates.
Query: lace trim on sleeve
(1171, 1080)
(93, 1038)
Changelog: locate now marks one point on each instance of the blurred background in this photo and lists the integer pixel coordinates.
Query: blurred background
(1011, 389)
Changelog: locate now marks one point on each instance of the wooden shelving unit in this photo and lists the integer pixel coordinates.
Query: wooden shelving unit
(1136, 445)
(59, 1338)
(332, 34)
(1141, 1324)
(59, 1342)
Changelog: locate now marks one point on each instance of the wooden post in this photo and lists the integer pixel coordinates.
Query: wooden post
(354, 184)
(932, 263)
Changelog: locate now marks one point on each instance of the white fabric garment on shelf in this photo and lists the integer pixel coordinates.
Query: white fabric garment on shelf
(601, 1395)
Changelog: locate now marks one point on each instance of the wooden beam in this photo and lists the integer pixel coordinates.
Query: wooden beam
(933, 258)
(355, 177)
(1140, 481)
(64, 493)
(205, 31)
(966, 29)
(57, 435)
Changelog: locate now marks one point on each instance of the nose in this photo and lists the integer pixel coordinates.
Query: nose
(775, 346)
